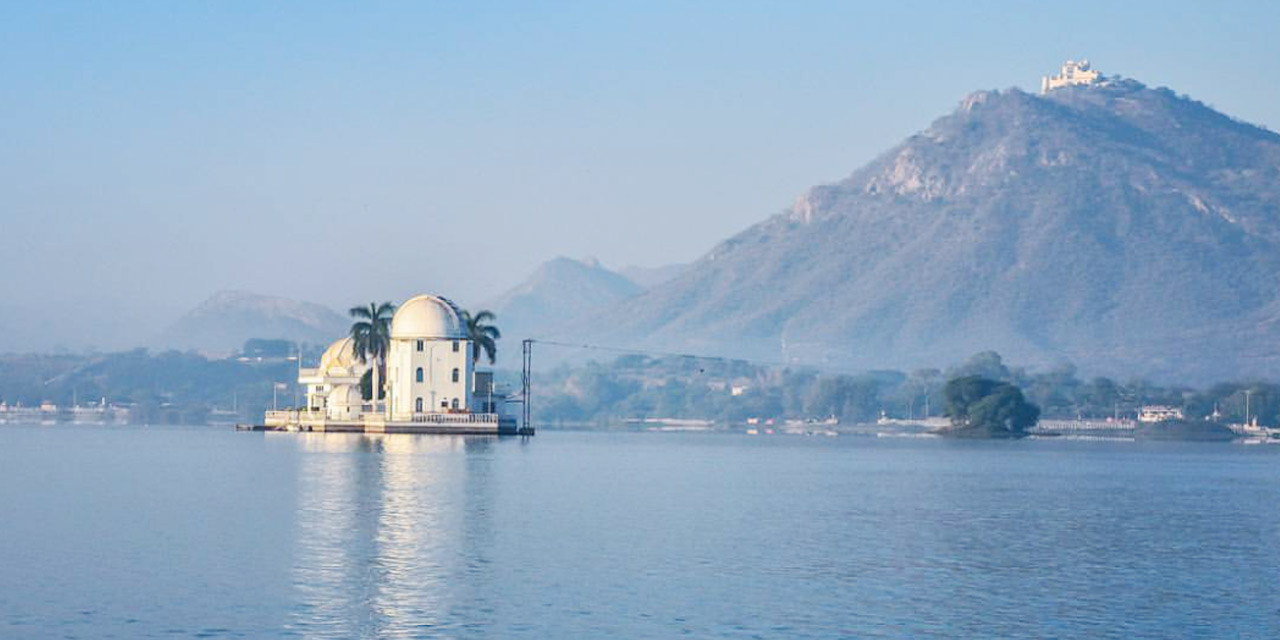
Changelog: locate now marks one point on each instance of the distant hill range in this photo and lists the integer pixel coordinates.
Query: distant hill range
(558, 292)
(1128, 230)
(650, 277)
(227, 319)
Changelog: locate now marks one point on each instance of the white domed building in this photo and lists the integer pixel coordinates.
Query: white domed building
(432, 384)
(429, 362)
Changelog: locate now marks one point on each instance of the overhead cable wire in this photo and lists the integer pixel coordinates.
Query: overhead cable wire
(673, 354)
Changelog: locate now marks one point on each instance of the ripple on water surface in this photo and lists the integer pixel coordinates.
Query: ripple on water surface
(166, 532)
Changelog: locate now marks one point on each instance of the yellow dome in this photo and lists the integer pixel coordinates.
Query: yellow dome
(428, 317)
(339, 355)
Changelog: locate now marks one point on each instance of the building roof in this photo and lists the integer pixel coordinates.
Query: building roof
(428, 316)
(340, 355)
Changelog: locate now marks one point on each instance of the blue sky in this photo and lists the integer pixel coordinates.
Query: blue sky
(153, 153)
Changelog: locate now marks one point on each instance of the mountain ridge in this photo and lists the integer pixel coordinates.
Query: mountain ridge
(1122, 228)
(225, 320)
(555, 293)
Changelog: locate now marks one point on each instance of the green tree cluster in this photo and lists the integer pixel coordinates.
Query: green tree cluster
(981, 406)
(635, 387)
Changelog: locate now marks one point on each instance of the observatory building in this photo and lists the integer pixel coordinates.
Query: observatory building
(432, 384)
(1073, 73)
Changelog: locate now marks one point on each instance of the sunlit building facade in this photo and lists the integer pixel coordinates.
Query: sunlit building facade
(431, 383)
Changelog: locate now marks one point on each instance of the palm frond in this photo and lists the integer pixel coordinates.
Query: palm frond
(371, 334)
(482, 336)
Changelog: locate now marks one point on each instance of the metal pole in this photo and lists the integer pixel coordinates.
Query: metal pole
(297, 402)
(525, 382)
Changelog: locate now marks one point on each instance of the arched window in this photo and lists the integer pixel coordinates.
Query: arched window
(417, 406)
(419, 345)
(455, 403)
(419, 374)
(455, 375)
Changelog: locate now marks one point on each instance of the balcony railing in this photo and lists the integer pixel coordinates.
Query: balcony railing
(282, 416)
(304, 416)
(455, 418)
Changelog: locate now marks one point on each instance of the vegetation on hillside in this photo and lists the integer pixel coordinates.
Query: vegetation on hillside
(735, 391)
(169, 387)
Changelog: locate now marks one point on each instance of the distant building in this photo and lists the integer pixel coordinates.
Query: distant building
(1159, 413)
(1073, 73)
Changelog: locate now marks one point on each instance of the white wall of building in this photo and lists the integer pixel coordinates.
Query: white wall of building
(440, 388)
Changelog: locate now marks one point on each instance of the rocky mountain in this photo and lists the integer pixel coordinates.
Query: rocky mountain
(556, 293)
(1128, 230)
(226, 320)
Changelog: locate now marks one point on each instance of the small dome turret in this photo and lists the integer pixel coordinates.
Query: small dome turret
(341, 355)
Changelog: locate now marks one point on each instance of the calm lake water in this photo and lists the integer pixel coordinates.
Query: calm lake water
(178, 532)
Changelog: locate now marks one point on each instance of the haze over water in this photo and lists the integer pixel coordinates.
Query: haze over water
(156, 153)
(166, 531)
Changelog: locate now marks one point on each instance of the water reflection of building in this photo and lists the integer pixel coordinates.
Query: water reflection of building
(332, 489)
(388, 526)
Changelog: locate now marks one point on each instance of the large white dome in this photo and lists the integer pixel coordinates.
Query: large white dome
(428, 316)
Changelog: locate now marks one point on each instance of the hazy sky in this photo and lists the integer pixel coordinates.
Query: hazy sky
(153, 153)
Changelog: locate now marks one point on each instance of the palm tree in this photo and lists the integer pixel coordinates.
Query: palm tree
(371, 334)
(484, 337)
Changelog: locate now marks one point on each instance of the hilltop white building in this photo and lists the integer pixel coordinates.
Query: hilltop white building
(1073, 73)
(432, 384)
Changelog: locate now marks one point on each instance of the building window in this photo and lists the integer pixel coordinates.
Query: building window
(455, 375)
(417, 406)
(419, 345)
(419, 374)
(455, 346)
(455, 403)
